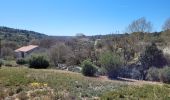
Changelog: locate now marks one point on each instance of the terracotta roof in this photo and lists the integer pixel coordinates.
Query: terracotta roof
(26, 48)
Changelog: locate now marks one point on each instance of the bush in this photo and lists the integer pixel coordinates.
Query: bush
(38, 62)
(153, 74)
(165, 75)
(21, 61)
(152, 56)
(88, 69)
(111, 64)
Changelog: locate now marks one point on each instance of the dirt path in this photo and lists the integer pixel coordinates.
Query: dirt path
(130, 81)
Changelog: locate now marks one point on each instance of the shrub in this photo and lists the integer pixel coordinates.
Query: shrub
(21, 61)
(152, 56)
(165, 75)
(153, 74)
(38, 62)
(88, 69)
(111, 64)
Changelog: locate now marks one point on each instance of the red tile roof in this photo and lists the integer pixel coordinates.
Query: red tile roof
(26, 48)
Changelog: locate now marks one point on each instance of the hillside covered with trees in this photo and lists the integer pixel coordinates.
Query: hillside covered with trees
(19, 36)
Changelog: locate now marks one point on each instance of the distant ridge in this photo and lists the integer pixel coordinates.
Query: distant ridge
(18, 35)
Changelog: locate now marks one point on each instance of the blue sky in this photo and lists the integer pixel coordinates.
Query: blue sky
(91, 17)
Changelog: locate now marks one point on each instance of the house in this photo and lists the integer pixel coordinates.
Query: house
(25, 51)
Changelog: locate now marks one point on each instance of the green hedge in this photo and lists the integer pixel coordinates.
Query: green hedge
(88, 69)
(38, 62)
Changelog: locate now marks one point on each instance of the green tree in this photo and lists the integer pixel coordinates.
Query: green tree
(111, 64)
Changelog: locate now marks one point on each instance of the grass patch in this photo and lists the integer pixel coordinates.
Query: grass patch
(74, 85)
(145, 92)
(14, 76)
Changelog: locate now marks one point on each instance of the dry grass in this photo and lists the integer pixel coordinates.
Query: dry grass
(64, 84)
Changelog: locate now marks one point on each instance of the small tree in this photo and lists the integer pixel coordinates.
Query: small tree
(38, 62)
(151, 57)
(59, 53)
(88, 69)
(140, 25)
(111, 64)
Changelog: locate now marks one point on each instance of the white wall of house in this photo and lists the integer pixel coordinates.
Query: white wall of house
(25, 54)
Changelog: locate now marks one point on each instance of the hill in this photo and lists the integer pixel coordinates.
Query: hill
(19, 36)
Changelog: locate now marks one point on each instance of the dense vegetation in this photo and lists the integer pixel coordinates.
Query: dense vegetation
(138, 54)
(126, 55)
(19, 36)
(152, 57)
